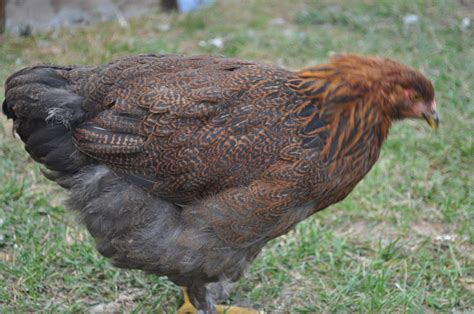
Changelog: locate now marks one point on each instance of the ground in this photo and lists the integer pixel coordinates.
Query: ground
(403, 241)
(25, 17)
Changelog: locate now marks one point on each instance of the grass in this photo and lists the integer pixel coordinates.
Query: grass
(403, 241)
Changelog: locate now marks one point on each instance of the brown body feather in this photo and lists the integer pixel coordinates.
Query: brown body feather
(187, 166)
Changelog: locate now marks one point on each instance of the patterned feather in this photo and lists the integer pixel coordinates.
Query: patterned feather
(187, 166)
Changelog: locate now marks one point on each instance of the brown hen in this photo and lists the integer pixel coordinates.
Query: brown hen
(186, 166)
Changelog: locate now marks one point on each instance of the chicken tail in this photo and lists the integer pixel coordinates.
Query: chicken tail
(45, 109)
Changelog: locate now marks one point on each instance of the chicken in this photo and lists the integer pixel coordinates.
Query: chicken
(186, 166)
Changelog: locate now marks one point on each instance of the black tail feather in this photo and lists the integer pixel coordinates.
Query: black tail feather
(45, 109)
(8, 111)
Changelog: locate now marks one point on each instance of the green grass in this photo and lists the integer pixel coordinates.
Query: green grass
(403, 241)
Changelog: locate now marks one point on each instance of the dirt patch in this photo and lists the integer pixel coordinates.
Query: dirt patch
(123, 304)
(25, 17)
(365, 231)
(438, 234)
(433, 230)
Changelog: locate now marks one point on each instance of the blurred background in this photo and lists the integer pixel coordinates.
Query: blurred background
(403, 241)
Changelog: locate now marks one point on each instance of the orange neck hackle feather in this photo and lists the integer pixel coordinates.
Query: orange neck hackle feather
(379, 85)
(383, 81)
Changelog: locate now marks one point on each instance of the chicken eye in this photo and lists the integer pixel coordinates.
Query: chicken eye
(415, 97)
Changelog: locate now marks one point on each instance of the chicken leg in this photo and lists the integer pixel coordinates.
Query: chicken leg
(188, 308)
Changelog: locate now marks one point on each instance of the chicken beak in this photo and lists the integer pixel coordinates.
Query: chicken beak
(432, 119)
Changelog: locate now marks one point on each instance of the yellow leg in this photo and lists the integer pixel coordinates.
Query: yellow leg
(227, 309)
(188, 308)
